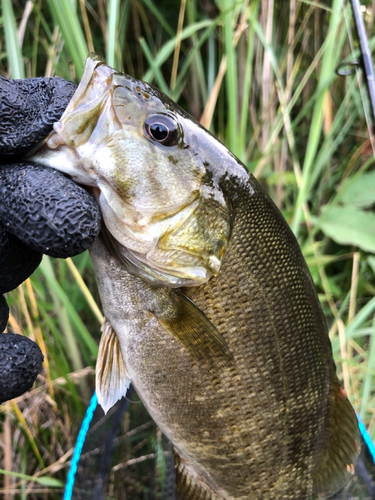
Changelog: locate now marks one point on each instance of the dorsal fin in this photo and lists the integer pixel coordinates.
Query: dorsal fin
(112, 381)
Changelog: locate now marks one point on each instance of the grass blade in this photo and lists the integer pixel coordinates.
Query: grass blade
(85, 336)
(113, 20)
(231, 75)
(329, 60)
(66, 18)
(45, 481)
(168, 48)
(11, 41)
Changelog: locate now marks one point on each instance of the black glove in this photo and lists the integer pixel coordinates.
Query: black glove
(41, 211)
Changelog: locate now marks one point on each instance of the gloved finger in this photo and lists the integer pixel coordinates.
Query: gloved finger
(20, 362)
(17, 261)
(46, 210)
(4, 313)
(28, 110)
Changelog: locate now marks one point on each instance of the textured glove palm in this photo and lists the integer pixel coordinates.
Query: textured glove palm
(41, 211)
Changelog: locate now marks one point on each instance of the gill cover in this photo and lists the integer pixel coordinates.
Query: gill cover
(164, 216)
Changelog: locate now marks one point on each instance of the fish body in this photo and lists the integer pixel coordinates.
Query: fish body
(211, 310)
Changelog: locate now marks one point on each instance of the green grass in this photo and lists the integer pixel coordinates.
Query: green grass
(265, 83)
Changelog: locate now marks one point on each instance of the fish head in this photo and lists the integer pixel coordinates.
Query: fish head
(148, 168)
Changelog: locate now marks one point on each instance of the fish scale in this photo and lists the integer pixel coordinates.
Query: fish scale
(210, 309)
(183, 405)
(255, 327)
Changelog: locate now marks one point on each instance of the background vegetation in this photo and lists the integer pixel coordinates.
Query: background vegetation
(260, 74)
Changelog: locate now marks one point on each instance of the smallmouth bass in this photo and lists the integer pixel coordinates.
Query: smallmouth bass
(210, 309)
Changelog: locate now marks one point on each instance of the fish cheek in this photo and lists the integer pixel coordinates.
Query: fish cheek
(129, 174)
(121, 181)
(145, 178)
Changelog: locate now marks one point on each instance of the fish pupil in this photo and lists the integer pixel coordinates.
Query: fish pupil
(159, 131)
(162, 129)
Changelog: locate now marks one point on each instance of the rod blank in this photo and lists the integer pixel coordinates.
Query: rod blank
(366, 54)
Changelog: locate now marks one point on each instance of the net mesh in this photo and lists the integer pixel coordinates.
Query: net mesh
(126, 457)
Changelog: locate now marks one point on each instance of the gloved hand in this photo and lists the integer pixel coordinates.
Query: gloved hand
(41, 211)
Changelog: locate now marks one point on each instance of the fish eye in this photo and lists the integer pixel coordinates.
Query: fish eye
(162, 129)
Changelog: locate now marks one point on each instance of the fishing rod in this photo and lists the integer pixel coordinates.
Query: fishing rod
(366, 55)
(368, 70)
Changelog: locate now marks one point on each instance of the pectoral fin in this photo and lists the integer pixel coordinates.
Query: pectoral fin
(112, 381)
(191, 327)
(180, 316)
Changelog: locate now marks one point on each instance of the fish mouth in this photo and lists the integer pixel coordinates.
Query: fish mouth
(93, 190)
